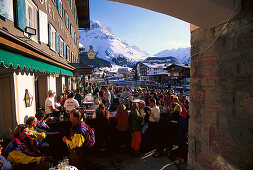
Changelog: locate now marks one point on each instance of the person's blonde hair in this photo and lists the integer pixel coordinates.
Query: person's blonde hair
(121, 109)
(177, 108)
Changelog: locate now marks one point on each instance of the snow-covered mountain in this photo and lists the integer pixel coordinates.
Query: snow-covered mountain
(108, 46)
(181, 54)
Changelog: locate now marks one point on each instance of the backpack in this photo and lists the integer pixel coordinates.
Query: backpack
(174, 122)
(89, 137)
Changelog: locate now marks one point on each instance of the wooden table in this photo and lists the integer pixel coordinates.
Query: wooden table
(56, 126)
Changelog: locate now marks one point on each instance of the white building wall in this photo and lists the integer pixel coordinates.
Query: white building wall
(21, 83)
(63, 84)
(74, 85)
(69, 83)
(51, 83)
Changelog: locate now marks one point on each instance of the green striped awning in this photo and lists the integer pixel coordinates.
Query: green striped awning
(9, 58)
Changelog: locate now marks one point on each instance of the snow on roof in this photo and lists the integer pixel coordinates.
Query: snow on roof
(81, 45)
(114, 68)
(161, 73)
(183, 65)
(157, 65)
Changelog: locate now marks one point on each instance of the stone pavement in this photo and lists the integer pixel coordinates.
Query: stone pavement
(123, 161)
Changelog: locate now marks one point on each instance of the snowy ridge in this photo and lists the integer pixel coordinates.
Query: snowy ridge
(181, 54)
(109, 46)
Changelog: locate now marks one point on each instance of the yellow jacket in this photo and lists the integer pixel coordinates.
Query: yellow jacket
(41, 134)
(76, 141)
(78, 138)
(17, 156)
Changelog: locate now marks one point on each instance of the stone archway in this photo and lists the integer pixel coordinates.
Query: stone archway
(221, 122)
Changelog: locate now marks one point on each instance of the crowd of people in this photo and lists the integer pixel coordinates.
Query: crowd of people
(136, 118)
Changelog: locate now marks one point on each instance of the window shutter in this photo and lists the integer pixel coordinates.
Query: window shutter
(67, 22)
(49, 35)
(64, 50)
(62, 11)
(74, 13)
(56, 42)
(20, 19)
(69, 54)
(65, 17)
(43, 27)
(38, 26)
(58, 4)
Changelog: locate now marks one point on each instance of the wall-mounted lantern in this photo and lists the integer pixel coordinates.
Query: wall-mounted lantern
(28, 98)
(30, 31)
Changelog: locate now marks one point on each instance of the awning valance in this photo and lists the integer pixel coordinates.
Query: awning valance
(8, 58)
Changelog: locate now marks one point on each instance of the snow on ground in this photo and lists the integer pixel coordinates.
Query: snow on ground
(114, 68)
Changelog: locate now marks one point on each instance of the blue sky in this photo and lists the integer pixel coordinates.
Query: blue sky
(150, 31)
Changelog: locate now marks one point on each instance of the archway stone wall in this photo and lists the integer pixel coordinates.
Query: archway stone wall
(221, 110)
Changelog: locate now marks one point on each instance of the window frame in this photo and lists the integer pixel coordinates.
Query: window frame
(34, 20)
(54, 2)
(72, 57)
(68, 53)
(60, 8)
(66, 17)
(52, 38)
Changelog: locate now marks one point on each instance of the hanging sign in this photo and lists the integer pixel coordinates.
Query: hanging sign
(91, 53)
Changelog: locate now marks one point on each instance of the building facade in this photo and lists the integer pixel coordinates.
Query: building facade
(38, 42)
(179, 73)
(152, 72)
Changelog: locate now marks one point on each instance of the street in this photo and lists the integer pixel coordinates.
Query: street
(121, 160)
